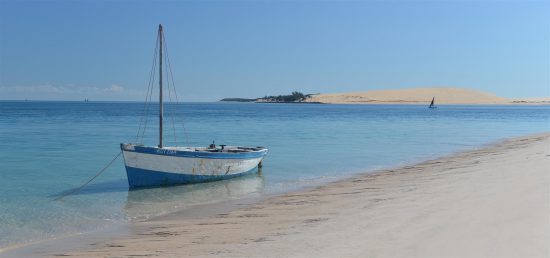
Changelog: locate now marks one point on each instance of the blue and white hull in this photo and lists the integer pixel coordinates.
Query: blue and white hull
(153, 166)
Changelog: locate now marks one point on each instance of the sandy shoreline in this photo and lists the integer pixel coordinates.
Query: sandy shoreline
(494, 201)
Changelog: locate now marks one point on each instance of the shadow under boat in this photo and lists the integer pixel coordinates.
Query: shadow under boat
(143, 203)
(121, 185)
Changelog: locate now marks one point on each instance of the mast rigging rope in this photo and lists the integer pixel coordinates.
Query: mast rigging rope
(170, 87)
(186, 138)
(150, 86)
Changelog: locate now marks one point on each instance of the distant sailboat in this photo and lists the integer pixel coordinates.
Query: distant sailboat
(432, 104)
(148, 166)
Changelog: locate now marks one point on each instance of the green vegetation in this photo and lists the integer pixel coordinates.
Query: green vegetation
(294, 97)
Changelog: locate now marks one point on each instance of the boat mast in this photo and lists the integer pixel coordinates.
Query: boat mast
(161, 109)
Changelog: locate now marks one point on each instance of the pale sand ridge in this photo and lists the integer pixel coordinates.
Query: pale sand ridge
(421, 96)
(490, 202)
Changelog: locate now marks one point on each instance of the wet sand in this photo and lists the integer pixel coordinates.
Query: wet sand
(489, 202)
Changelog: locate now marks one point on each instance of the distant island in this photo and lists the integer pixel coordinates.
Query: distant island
(294, 97)
(238, 100)
(442, 95)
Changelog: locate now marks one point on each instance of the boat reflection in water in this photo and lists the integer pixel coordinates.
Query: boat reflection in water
(146, 203)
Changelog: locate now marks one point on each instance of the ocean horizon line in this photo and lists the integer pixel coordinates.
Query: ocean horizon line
(275, 103)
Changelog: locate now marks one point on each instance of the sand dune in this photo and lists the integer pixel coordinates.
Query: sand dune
(420, 96)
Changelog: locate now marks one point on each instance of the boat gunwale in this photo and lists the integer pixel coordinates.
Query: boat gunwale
(191, 153)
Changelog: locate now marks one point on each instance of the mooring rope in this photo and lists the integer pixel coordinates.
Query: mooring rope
(89, 181)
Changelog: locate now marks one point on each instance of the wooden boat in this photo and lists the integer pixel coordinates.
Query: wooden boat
(150, 166)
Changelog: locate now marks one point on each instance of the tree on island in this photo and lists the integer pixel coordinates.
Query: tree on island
(294, 97)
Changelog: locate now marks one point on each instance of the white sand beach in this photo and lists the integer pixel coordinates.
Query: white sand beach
(443, 95)
(489, 202)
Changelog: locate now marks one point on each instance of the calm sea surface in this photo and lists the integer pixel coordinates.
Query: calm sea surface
(49, 148)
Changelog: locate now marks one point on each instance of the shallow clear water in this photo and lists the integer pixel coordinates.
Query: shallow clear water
(49, 148)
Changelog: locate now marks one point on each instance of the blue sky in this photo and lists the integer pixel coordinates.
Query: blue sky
(103, 50)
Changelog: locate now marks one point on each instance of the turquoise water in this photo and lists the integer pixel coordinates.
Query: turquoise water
(49, 148)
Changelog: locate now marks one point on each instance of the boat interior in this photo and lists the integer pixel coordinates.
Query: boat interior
(220, 148)
(212, 148)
